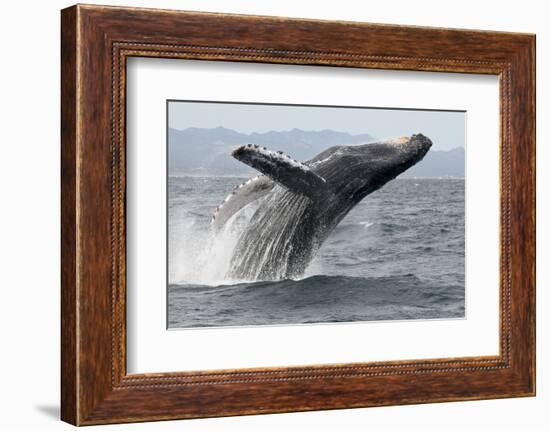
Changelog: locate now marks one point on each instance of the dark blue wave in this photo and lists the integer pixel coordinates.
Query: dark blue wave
(315, 299)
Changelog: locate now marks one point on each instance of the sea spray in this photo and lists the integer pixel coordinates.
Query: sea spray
(201, 255)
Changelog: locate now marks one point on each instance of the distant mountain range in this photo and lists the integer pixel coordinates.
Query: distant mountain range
(195, 151)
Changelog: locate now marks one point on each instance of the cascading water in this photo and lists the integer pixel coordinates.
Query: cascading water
(201, 255)
(265, 250)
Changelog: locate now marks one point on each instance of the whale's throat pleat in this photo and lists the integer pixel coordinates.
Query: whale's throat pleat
(268, 249)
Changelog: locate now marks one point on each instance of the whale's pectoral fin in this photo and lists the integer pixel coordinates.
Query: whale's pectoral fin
(242, 195)
(290, 173)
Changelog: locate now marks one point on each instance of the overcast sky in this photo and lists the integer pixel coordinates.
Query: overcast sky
(446, 129)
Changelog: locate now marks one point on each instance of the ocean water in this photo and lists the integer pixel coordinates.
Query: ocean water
(397, 255)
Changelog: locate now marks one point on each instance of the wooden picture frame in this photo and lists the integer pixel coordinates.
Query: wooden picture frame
(95, 43)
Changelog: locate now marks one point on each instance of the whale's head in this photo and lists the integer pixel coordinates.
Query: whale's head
(354, 171)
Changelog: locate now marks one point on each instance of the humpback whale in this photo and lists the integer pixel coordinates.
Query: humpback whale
(301, 203)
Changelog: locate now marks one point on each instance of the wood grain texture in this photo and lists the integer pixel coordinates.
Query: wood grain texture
(69, 366)
(96, 41)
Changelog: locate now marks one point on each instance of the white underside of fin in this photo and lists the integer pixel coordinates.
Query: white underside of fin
(242, 195)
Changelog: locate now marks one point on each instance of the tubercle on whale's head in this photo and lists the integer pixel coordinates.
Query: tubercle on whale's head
(415, 146)
(420, 144)
(394, 156)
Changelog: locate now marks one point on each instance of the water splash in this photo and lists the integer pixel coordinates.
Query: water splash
(200, 255)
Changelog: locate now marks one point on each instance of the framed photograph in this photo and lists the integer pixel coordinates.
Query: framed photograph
(264, 214)
(259, 237)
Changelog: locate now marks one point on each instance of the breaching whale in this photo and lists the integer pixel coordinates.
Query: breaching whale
(301, 203)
